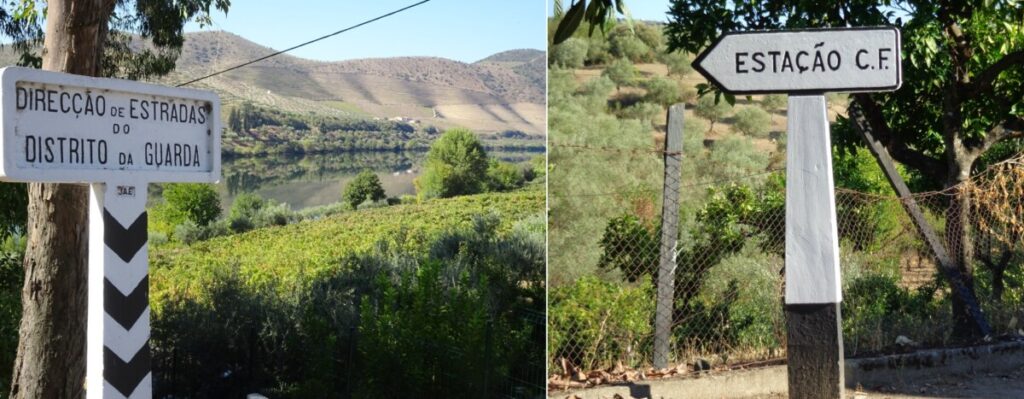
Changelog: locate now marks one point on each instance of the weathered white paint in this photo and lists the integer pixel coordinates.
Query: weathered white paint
(50, 135)
(848, 60)
(812, 239)
(102, 331)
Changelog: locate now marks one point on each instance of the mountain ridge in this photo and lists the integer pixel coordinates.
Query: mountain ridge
(504, 91)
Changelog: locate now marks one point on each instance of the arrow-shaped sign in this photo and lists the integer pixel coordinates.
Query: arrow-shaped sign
(804, 61)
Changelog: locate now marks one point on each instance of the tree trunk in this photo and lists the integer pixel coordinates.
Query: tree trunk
(960, 245)
(51, 348)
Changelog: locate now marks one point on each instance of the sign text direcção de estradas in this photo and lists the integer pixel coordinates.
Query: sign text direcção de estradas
(81, 129)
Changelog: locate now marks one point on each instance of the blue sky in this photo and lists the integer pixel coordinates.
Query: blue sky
(463, 30)
(647, 10)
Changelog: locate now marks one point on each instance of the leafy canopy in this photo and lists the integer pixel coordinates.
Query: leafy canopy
(365, 186)
(456, 165)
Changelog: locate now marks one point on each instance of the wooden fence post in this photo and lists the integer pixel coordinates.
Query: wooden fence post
(669, 237)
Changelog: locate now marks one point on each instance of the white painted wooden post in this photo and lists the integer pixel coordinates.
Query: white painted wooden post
(813, 292)
(119, 136)
(805, 64)
(118, 347)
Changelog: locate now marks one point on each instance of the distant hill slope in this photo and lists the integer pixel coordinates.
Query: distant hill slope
(505, 91)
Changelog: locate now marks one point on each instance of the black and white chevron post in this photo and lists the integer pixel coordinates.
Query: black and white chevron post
(118, 348)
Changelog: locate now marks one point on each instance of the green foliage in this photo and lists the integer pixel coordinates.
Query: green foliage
(625, 43)
(196, 202)
(455, 165)
(876, 309)
(753, 121)
(644, 111)
(465, 295)
(662, 91)
(257, 130)
(630, 246)
(678, 63)
(390, 313)
(14, 212)
(243, 210)
(503, 176)
(570, 53)
(714, 111)
(365, 186)
(774, 102)
(622, 72)
(12, 253)
(734, 156)
(595, 323)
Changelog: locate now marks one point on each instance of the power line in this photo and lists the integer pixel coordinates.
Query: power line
(247, 63)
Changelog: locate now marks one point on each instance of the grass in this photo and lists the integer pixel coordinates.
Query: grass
(286, 256)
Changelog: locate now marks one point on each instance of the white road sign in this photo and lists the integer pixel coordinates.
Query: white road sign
(804, 61)
(67, 128)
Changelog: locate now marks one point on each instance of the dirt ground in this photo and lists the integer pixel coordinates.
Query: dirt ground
(988, 386)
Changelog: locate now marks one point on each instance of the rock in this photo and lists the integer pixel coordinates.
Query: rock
(904, 341)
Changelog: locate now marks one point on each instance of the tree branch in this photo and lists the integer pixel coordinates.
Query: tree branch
(987, 78)
(871, 118)
(1010, 129)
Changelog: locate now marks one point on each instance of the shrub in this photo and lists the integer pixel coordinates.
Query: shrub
(503, 176)
(365, 186)
(622, 72)
(195, 202)
(774, 102)
(456, 165)
(711, 110)
(623, 43)
(644, 111)
(274, 214)
(753, 121)
(14, 212)
(662, 91)
(594, 323)
(678, 63)
(598, 50)
(570, 53)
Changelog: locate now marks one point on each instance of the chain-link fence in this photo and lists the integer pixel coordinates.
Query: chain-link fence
(727, 275)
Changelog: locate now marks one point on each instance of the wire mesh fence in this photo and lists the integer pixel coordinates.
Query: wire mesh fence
(726, 306)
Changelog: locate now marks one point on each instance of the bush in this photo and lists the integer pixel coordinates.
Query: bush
(662, 91)
(774, 102)
(243, 211)
(503, 176)
(14, 212)
(753, 121)
(570, 53)
(621, 72)
(678, 63)
(598, 50)
(195, 202)
(456, 165)
(623, 43)
(711, 110)
(644, 111)
(12, 254)
(274, 214)
(365, 186)
(594, 324)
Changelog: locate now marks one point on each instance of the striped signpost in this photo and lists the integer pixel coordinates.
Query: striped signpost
(118, 136)
(805, 64)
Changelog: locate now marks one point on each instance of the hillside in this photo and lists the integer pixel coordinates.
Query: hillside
(291, 253)
(501, 92)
